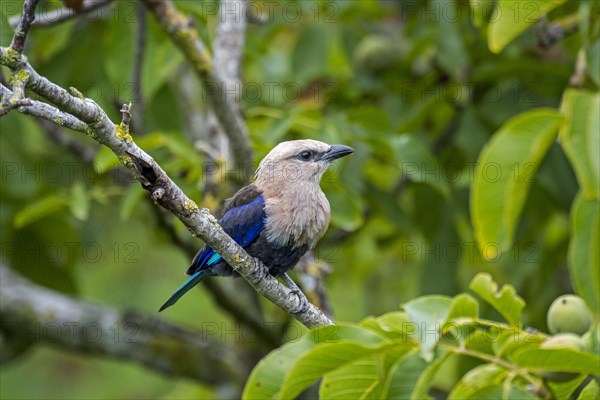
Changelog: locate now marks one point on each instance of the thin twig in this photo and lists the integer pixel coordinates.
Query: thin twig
(27, 18)
(61, 15)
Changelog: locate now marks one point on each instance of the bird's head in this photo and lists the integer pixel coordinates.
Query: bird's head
(299, 161)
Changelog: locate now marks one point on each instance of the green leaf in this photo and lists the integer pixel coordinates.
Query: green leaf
(590, 392)
(514, 340)
(426, 378)
(325, 358)
(392, 324)
(504, 173)
(584, 251)
(503, 391)
(418, 163)
(480, 10)
(464, 307)
(38, 210)
(79, 201)
(359, 380)
(403, 376)
(506, 301)
(563, 360)
(428, 314)
(267, 376)
(476, 379)
(580, 137)
(365, 379)
(513, 17)
(564, 390)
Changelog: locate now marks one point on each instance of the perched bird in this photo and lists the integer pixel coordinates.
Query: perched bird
(278, 217)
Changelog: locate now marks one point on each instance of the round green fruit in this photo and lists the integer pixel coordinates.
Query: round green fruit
(569, 314)
(562, 341)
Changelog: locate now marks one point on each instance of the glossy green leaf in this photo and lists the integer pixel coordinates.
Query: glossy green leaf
(481, 10)
(590, 392)
(325, 358)
(463, 307)
(564, 390)
(476, 379)
(504, 173)
(501, 391)
(513, 17)
(403, 376)
(426, 379)
(428, 314)
(506, 301)
(392, 324)
(359, 380)
(563, 360)
(38, 210)
(580, 137)
(584, 251)
(267, 376)
(418, 164)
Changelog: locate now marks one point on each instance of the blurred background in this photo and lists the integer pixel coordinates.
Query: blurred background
(412, 86)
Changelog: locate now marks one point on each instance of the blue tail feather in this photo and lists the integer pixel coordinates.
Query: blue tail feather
(193, 280)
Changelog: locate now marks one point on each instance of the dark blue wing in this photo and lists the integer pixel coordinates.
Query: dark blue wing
(243, 223)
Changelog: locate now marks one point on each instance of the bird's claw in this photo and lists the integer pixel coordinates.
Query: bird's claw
(303, 302)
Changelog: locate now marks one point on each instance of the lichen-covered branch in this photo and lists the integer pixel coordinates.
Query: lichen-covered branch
(164, 191)
(186, 38)
(32, 314)
(27, 18)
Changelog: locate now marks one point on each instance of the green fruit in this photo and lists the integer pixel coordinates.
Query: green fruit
(562, 341)
(375, 53)
(569, 313)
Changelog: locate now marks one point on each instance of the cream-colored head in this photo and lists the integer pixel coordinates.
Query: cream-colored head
(298, 162)
(288, 178)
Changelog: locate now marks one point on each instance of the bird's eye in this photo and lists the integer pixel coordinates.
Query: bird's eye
(305, 155)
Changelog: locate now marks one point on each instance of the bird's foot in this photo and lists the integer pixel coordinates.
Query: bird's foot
(261, 277)
(303, 303)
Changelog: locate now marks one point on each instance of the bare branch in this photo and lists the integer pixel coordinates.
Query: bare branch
(61, 15)
(224, 104)
(166, 193)
(27, 18)
(228, 45)
(37, 314)
(53, 114)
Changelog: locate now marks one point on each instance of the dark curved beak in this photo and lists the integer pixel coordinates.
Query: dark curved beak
(337, 151)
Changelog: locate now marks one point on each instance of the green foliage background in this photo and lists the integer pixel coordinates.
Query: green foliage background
(455, 120)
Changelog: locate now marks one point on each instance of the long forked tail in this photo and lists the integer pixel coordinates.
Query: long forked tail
(193, 280)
